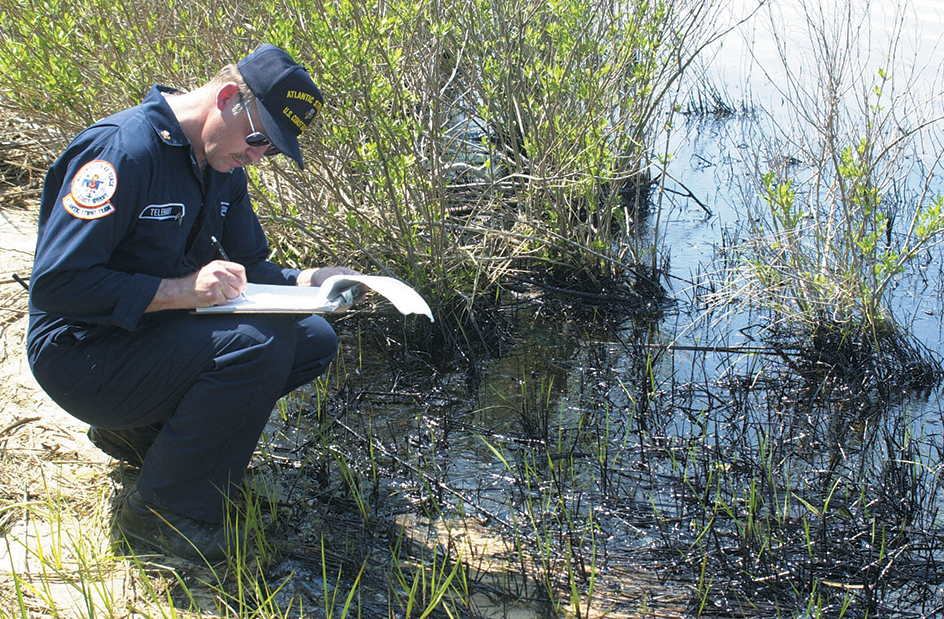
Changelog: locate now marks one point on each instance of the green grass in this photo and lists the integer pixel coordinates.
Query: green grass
(377, 495)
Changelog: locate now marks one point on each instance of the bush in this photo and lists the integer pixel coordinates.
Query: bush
(833, 228)
(459, 140)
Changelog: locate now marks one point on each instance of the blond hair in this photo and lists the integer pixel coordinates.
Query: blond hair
(230, 73)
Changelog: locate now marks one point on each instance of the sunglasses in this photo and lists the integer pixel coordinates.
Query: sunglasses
(257, 138)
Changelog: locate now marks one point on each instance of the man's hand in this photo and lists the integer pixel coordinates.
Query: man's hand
(214, 284)
(316, 277)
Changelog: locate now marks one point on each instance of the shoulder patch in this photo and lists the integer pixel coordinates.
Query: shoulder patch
(82, 212)
(94, 184)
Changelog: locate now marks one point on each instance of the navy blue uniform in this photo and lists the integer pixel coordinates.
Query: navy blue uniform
(125, 206)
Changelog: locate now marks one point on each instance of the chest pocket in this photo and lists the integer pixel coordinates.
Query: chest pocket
(155, 243)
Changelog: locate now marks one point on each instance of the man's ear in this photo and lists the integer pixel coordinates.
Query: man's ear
(225, 95)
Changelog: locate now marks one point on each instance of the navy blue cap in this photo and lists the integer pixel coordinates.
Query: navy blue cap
(289, 98)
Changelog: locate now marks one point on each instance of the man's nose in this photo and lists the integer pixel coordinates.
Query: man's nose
(256, 153)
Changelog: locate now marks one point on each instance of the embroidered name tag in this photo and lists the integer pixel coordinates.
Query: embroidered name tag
(161, 212)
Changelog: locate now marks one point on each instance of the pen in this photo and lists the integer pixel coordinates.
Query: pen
(219, 249)
(222, 253)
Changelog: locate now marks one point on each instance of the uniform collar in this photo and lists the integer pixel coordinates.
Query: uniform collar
(162, 117)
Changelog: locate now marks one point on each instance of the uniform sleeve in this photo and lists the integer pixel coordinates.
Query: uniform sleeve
(88, 206)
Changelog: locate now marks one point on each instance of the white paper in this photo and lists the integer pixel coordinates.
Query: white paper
(335, 294)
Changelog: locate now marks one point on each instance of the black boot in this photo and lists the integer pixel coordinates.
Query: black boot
(146, 525)
(130, 445)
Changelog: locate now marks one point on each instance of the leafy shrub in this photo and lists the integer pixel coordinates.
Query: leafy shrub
(459, 140)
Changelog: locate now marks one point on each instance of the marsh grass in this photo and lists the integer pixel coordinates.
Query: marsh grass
(834, 225)
(637, 488)
(764, 492)
(811, 504)
(709, 103)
